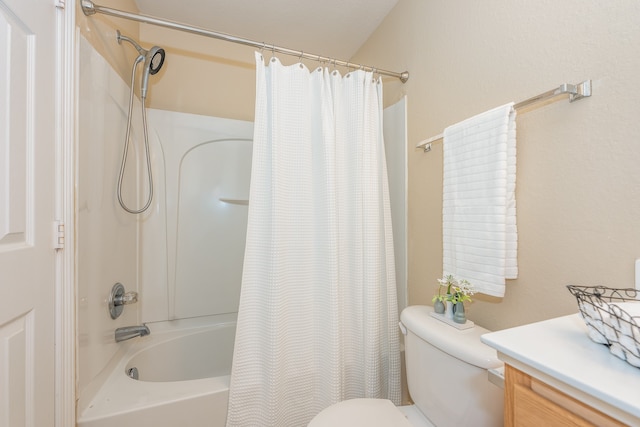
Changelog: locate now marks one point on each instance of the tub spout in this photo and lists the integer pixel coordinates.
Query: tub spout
(129, 332)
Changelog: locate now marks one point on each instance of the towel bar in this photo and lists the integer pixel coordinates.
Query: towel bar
(575, 92)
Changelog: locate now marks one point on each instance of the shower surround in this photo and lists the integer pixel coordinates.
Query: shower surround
(183, 256)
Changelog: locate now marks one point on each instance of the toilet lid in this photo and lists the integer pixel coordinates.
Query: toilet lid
(361, 413)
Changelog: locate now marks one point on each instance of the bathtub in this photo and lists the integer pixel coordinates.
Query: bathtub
(183, 369)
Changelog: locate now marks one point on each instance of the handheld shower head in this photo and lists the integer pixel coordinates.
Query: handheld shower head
(153, 60)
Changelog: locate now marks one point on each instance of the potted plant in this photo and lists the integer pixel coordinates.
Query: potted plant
(452, 301)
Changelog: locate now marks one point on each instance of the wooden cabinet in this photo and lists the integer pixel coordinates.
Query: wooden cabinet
(532, 403)
(556, 376)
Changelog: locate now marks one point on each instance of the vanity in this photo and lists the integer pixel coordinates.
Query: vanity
(556, 376)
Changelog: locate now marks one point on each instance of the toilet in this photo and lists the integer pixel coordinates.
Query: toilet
(447, 378)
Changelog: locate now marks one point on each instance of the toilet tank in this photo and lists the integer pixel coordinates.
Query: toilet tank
(447, 372)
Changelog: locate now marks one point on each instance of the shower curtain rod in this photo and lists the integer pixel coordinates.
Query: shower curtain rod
(90, 8)
(575, 92)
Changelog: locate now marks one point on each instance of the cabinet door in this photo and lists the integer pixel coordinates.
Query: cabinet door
(529, 402)
(533, 410)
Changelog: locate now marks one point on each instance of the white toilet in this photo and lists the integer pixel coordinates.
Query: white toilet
(447, 375)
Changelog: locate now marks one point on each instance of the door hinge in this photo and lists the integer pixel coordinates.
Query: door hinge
(58, 234)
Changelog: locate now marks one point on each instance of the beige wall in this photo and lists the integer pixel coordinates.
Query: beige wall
(201, 75)
(100, 31)
(578, 176)
(205, 76)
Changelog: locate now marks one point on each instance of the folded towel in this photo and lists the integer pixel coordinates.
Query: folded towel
(621, 352)
(633, 360)
(625, 328)
(595, 332)
(617, 350)
(480, 237)
(595, 316)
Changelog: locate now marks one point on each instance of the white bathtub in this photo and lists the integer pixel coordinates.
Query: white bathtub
(184, 369)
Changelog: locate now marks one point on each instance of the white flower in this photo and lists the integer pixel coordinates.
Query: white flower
(448, 281)
(465, 288)
(456, 290)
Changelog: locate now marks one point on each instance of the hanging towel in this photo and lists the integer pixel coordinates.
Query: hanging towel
(480, 236)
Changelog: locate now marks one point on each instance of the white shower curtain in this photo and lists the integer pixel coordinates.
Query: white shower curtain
(318, 321)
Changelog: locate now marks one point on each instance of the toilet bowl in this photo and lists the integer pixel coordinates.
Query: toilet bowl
(447, 378)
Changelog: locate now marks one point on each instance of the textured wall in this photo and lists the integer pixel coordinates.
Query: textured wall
(577, 178)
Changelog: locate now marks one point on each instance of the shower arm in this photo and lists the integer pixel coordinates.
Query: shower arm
(90, 8)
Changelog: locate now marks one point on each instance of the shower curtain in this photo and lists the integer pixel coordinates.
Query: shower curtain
(318, 319)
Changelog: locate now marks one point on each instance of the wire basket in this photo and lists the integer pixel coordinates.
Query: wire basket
(613, 318)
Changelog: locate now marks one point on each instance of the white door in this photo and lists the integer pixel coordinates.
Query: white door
(27, 191)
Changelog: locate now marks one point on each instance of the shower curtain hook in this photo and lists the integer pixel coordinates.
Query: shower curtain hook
(262, 50)
(333, 70)
(320, 62)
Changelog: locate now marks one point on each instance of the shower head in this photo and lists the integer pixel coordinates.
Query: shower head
(153, 60)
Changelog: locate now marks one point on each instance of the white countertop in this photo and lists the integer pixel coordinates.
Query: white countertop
(559, 352)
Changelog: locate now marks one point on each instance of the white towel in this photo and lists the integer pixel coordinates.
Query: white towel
(480, 236)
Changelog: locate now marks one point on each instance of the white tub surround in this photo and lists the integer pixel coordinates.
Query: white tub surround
(559, 353)
(184, 369)
(196, 232)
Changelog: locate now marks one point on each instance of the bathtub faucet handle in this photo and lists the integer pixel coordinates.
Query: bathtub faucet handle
(127, 298)
(119, 298)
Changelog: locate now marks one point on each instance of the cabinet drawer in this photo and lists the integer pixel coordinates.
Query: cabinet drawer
(533, 410)
(530, 402)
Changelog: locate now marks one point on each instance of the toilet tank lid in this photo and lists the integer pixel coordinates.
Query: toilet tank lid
(463, 344)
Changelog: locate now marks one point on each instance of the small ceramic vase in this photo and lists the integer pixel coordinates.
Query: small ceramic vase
(459, 315)
(438, 306)
(448, 312)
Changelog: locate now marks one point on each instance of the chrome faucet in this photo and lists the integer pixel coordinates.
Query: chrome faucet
(129, 332)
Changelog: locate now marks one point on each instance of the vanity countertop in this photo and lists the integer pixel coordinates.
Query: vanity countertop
(559, 352)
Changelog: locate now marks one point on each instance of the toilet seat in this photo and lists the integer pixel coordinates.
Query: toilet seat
(361, 413)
